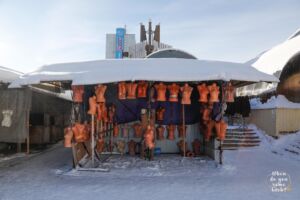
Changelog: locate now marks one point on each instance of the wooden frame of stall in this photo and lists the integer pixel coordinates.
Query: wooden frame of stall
(82, 151)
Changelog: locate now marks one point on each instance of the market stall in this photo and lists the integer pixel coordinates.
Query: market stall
(146, 106)
(30, 116)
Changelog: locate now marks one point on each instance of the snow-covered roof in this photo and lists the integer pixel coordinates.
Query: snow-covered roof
(274, 102)
(277, 57)
(171, 53)
(295, 34)
(8, 75)
(156, 69)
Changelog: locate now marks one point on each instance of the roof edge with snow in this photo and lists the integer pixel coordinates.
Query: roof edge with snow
(152, 69)
(7, 75)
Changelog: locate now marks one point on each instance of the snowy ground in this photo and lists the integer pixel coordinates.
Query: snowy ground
(245, 175)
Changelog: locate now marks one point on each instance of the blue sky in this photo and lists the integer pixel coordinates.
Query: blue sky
(35, 32)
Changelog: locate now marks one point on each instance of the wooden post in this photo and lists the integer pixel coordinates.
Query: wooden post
(110, 128)
(75, 160)
(27, 129)
(93, 141)
(220, 153)
(183, 125)
(97, 136)
(97, 128)
(149, 103)
(149, 113)
(101, 129)
(222, 103)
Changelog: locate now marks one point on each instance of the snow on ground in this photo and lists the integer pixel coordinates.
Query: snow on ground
(287, 146)
(244, 175)
(4, 158)
(274, 102)
(164, 166)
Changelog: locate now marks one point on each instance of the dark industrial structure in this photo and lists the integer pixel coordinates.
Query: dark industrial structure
(147, 36)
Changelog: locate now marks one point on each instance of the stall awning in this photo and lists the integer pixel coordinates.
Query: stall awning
(156, 69)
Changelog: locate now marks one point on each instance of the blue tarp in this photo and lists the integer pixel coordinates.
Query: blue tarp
(129, 110)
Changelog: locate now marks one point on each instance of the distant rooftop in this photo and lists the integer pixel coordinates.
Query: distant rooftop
(277, 57)
(171, 53)
(8, 75)
(295, 34)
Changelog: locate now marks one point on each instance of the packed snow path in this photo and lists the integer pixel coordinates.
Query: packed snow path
(244, 175)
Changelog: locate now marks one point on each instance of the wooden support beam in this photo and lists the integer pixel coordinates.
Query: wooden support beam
(183, 125)
(74, 152)
(27, 132)
(93, 141)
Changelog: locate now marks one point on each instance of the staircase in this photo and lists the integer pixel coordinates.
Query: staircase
(290, 149)
(293, 148)
(240, 138)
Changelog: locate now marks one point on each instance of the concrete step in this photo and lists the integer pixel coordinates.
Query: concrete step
(292, 151)
(230, 148)
(240, 131)
(295, 146)
(240, 134)
(238, 145)
(242, 137)
(241, 144)
(240, 141)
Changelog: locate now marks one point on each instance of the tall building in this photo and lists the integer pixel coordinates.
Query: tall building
(117, 44)
(123, 45)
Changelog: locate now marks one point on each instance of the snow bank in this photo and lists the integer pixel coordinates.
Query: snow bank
(274, 102)
(286, 146)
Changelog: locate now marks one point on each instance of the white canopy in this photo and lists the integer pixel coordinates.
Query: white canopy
(156, 69)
